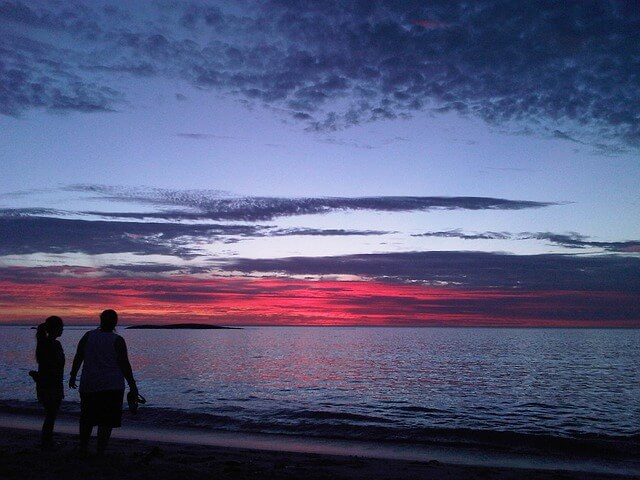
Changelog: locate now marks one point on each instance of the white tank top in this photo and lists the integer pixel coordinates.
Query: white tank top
(100, 370)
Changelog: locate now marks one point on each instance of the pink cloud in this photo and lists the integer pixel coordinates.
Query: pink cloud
(30, 296)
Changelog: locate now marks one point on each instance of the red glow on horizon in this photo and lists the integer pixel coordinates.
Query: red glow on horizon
(267, 301)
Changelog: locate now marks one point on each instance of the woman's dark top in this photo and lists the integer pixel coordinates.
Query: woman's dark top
(50, 357)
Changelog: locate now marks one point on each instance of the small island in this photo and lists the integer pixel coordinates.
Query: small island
(181, 326)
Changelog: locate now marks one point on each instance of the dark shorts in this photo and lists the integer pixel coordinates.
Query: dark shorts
(102, 408)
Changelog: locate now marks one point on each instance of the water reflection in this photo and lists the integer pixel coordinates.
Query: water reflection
(517, 379)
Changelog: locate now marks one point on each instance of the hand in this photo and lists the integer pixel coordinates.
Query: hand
(72, 383)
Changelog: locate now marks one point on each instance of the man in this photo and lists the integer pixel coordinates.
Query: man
(106, 367)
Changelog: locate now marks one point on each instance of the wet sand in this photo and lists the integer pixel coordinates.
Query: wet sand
(131, 458)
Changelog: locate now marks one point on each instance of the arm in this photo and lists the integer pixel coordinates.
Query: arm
(123, 363)
(77, 361)
(59, 355)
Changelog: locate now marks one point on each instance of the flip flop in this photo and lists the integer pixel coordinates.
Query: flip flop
(133, 400)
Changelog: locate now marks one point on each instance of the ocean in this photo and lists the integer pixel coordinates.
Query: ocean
(415, 385)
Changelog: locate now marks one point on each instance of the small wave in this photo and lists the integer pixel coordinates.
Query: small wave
(324, 415)
(418, 409)
(536, 406)
(347, 426)
(350, 426)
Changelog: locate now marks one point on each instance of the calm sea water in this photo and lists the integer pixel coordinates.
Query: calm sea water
(406, 384)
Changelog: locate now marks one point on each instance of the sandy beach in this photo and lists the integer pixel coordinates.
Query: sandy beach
(130, 458)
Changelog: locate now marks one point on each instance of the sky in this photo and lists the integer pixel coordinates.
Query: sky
(273, 162)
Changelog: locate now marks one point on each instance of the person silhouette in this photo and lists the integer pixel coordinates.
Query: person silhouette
(50, 358)
(106, 367)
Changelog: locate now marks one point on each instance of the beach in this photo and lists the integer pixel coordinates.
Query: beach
(21, 457)
(135, 458)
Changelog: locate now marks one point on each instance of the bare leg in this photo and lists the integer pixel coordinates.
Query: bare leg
(50, 413)
(85, 433)
(104, 434)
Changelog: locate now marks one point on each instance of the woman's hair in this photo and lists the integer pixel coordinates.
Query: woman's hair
(108, 320)
(46, 330)
(49, 326)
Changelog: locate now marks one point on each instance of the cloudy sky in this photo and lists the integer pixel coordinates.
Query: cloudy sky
(351, 162)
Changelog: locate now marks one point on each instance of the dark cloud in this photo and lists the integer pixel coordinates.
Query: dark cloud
(29, 78)
(29, 212)
(203, 136)
(27, 275)
(145, 270)
(141, 269)
(566, 136)
(73, 18)
(328, 232)
(507, 308)
(25, 235)
(467, 236)
(286, 301)
(596, 147)
(579, 241)
(568, 68)
(26, 231)
(572, 240)
(214, 206)
(467, 269)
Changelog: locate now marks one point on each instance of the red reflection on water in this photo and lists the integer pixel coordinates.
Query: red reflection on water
(80, 294)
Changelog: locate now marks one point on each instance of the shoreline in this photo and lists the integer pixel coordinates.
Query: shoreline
(125, 326)
(167, 452)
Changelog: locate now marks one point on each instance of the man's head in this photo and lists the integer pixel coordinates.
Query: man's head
(108, 320)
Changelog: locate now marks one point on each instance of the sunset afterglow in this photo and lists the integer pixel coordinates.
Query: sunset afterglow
(265, 301)
(313, 163)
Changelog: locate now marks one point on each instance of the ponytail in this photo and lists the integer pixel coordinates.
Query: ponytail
(50, 325)
(41, 333)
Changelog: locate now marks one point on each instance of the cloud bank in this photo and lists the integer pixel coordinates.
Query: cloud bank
(475, 270)
(560, 69)
(202, 204)
(178, 261)
(268, 301)
(23, 234)
(572, 240)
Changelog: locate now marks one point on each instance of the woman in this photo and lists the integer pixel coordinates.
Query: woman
(106, 367)
(50, 358)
